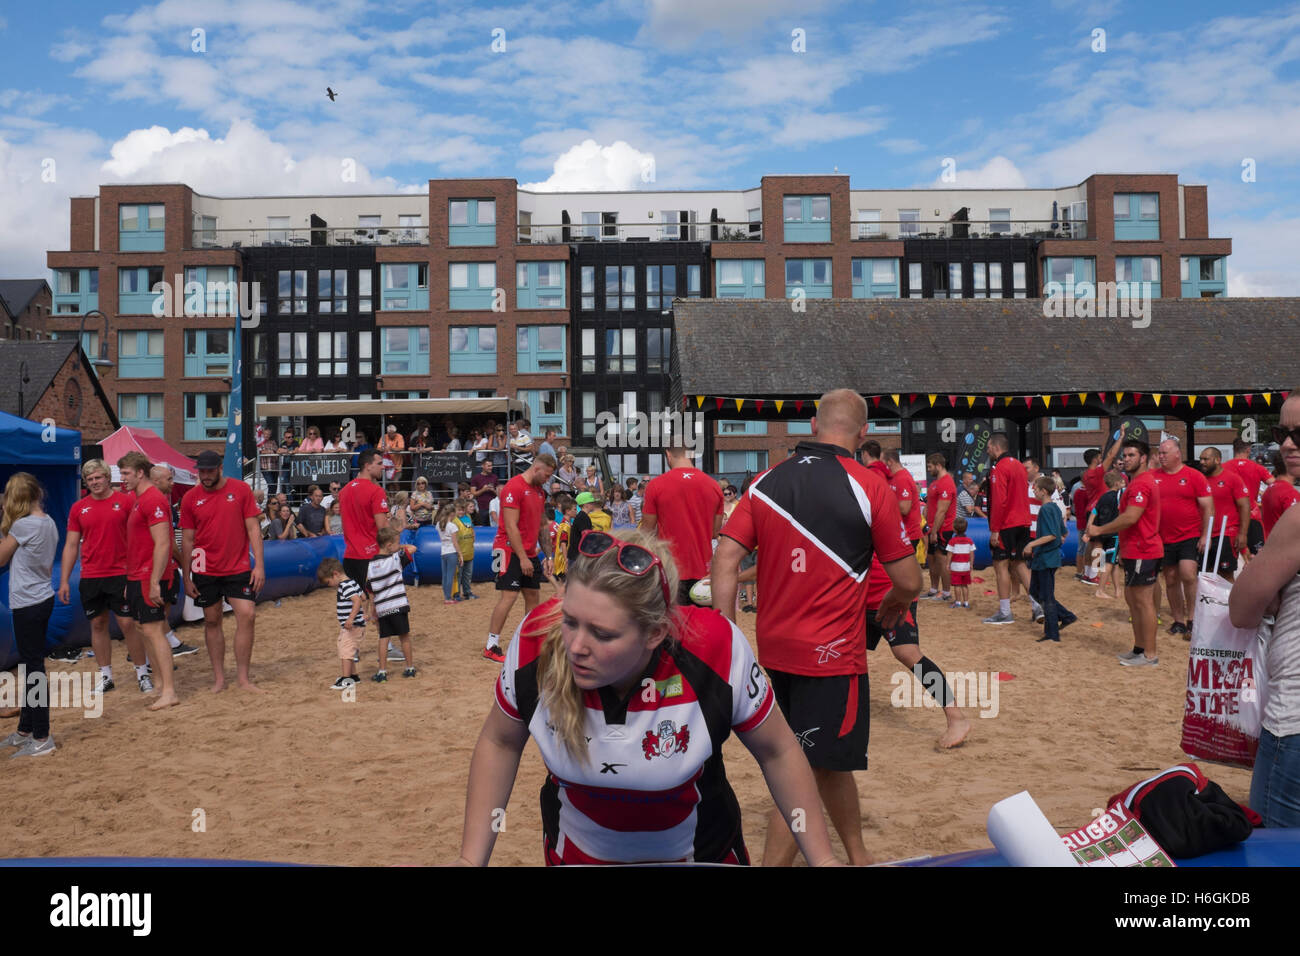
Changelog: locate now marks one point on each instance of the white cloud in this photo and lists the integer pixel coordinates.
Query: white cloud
(589, 165)
(678, 24)
(998, 173)
(808, 129)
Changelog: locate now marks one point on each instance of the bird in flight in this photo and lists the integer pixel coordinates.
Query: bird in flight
(330, 93)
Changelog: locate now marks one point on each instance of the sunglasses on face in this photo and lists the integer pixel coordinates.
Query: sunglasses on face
(632, 558)
(1281, 434)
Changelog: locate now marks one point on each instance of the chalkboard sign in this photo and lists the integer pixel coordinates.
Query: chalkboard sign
(319, 469)
(445, 467)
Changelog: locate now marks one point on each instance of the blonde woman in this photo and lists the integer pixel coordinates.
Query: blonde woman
(399, 517)
(576, 664)
(28, 546)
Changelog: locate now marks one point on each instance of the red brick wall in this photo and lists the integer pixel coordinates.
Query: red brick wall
(81, 228)
(96, 421)
(1196, 212)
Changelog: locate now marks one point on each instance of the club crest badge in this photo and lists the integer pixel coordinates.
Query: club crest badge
(668, 741)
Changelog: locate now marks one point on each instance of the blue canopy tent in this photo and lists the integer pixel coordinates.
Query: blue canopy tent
(53, 455)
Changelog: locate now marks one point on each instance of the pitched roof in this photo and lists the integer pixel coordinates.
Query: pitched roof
(17, 294)
(758, 348)
(44, 359)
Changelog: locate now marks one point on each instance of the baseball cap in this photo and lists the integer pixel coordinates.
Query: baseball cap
(208, 459)
(584, 498)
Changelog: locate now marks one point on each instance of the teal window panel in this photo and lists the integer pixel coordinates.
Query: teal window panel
(875, 279)
(220, 289)
(798, 428)
(1072, 424)
(404, 351)
(540, 348)
(1204, 276)
(1070, 275)
(404, 286)
(141, 411)
(539, 285)
(471, 285)
(733, 462)
(813, 276)
(1155, 426)
(740, 279)
(140, 354)
(133, 285)
(741, 427)
(473, 350)
(471, 222)
(807, 218)
(546, 409)
(76, 291)
(141, 228)
(1137, 216)
(206, 415)
(207, 353)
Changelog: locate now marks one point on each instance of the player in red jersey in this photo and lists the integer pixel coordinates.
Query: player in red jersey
(818, 518)
(1231, 501)
(1140, 548)
(684, 507)
(629, 700)
(940, 512)
(1255, 477)
(1279, 496)
(1008, 526)
(364, 509)
(97, 528)
(520, 536)
(148, 553)
(219, 524)
(1085, 499)
(1186, 511)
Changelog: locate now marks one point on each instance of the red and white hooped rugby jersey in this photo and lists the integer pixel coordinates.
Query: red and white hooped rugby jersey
(654, 787)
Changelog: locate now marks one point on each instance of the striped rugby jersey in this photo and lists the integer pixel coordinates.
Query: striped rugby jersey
(961, 550)
(654, 787)
(343, 603)
(385, 578)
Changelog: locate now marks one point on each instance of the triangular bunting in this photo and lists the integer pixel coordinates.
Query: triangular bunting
(911, 399)
(1156, 396)
(699, 401)
(1083, 398)
(1137, 397)
(1268, 399)
(1173, 401)
(1029, 401)
(1285, 396)
(1248, 397)
(875, 401)
(1065, 400)
(952, 401)
(778, 403)
(758, 405)
(719, 401)
(989, 400)
(817, 404)
(932, 398)
(894, 396)
(1119, 396)
(1229, 398)
(970, 401)
(798, 405)
(1047, 401)
(1006, 400)
(1210, 399)
(1102, 396)
(1191, 401)
(739, 402)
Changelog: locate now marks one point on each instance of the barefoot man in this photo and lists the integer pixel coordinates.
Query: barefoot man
(219, 524)
(148, 550)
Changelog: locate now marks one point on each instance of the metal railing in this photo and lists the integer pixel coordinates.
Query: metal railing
(311, 236)
(894, 230)
(561, 233)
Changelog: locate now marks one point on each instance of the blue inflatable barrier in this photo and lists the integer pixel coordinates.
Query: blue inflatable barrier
(977, 529)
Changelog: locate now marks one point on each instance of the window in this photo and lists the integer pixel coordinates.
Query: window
(807, 218)
(995, 279)
(292, 291)
(207, 352)
(692, 282)
(1121, 206)
(133, 290)
(1214, 421)
(365, 281)
(291, 353)
(410, 230)
(206, 415)
(539, 348)
(1071, 277)
(914, 284)
(660, 287)
(909, 221)
(1202, 277)
(875, 278)
(365, 352)
(1074, 424)
(277, 230)
(140, 354)
(141, 411)
(1074, 220)
(472, 222)
(539, 285)
(1137, 215)
(76, 291)
(588, 413)
(588, 288)
(868, 223)
(884, 428)
(589, 350)
(332, 290)
(956, 289)
(259, 351)
(755, 223)
(1137, 275)
(414, 393)
(211, 290)
(1211, 269)
(999, 222)
(620, 288)
(658, 350)
(368, 229)
(404, 350)
(670, 228)
(741, 462)
(620, 350)
(1018, 279)
(545, 408)
(332, 352)
(600, 224)
(740, 279)
(741, 427)
(939, 276)
(473, 350)
(813, 276)
(472, 285)
(141, 227)
(979, 274)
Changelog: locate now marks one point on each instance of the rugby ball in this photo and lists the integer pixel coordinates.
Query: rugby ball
(702, 593)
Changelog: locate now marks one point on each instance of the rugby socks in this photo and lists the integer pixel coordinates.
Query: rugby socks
(932, 680)
(494, 640)
(173, 640)
(1004, 606)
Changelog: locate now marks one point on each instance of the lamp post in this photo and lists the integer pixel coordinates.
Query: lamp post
(23, 378)
(102, 359)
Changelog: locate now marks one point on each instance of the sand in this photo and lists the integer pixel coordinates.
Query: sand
(296, 774)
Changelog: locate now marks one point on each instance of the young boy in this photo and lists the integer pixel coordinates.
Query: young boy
(1044, 553)
(385, 579)
(352, 618)
(567, 509)
(1106, 510)
(465, 542)
(962, 550)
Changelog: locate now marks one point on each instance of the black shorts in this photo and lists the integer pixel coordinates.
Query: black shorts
(1181, 551)
(512, 577)
(395, 625)
(1254, 536)
(213, 588)
(171, 587)
(818, 710)
(904, 632)
(358, 569)
(1227, 555)
(1140, 572)
(941, 541)
(142, 610)
(1013, 544)
(104, 594)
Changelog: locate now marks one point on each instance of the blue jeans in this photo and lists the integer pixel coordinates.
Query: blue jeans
(1275, 785)
(449, 562)
(1042, 587)
(466, 574)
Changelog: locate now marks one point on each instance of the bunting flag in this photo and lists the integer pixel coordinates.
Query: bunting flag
(1229, 398)
(932, 398)
(1268, 399)
(990, 400)
(798, 405)
(758, 405)
(1191, 401)
(911, 399)
(1119, 397)
(1083, 398)
(1065, 400)
(1248, 397)
(699, 401)
(1156, 396)
(779, 402)
(875, 401)
(970, 401)
(1137, 397)
(719, 401)
(1029, 401)
(1285, 396)
(817, 404)
(1102, 396)
(952, 401)
(1047, 401)
(1006, 401)
(894, 396)
(1173, 401)
(1210, 399)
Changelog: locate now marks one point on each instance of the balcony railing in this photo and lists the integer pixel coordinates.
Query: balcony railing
(307, 236)
(894, 230)
(558, 233)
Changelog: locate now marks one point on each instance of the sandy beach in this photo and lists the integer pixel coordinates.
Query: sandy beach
(297, 774)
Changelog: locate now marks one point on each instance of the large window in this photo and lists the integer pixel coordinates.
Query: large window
(260, 352)
(1019, 279)
(603, 225)
(291, 353)
(620, 288)
(539, 285)
(404, 350)
(588, 291)
(540, 348)
(660, 287)
(620, 350)
(141, 411)
(589, 350)
(1074, 424)
(692, 282)
(1202, 277)
(365, 283)
(332, 352)
(813, 276)
(909, 222)
(741, 462)
(206, 415)
(658, 350)
(133, 285)
(405, 286)
(473, 350)
(868, 223)
(140, 354)
(472, 222)
(207, 353)
(1137, 215)
(291, 290)
(807, 218)
(741, 279)
(875, 278)
(332, 290)
(999, 222)
(141, 228)
(76, 291)
(472, 285)
(914, 280)
(741, 427)
(545, 408)
(1072, 277)
(1137, 275)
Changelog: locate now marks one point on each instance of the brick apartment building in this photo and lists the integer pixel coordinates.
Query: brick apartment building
(563, 300)
(24, 310)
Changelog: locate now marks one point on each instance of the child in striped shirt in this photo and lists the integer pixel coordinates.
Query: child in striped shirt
(391, 607)
(961, 549)
(347, 607)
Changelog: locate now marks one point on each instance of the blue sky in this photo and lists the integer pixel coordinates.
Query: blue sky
(714, 91)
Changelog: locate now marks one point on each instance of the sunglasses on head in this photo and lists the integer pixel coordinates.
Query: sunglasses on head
(632, 558)
(1281, 434)
(730, 493)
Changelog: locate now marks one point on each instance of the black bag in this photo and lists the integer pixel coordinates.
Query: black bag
(1187, 814)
